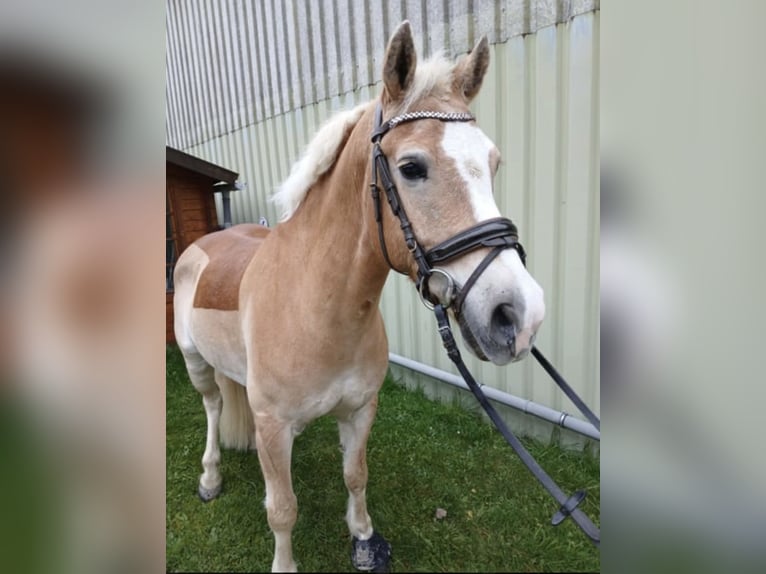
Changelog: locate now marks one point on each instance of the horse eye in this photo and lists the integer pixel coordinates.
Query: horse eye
(413, 171)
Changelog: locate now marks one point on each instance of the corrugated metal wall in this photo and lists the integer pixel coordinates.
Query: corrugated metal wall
(249, 82)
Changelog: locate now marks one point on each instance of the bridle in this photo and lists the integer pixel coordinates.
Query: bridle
(497, 234)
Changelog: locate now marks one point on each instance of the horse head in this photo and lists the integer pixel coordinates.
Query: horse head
(442, 166)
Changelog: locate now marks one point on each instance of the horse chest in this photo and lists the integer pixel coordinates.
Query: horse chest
(338, 394)
(354, 388)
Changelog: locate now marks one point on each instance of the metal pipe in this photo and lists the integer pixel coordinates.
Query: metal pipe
(226, 209)
(225, 188)
(559, 418)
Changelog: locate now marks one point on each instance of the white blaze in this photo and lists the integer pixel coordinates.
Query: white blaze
(470, 148)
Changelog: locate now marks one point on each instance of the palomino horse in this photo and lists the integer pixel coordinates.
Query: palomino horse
(282, 326)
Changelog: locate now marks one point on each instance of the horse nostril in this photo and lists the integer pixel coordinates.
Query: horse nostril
(504, 323)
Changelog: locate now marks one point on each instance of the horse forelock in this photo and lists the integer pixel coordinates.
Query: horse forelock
(433, 77)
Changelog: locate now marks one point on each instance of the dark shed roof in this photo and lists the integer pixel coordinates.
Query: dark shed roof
(199, 165)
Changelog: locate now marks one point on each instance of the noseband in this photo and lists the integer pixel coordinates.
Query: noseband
(498, 233)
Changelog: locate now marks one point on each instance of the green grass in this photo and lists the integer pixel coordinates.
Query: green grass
(422, 456)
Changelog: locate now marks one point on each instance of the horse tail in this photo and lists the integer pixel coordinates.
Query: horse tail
(236, 426)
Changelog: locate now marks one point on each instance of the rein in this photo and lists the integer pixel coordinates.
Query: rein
(498, 234)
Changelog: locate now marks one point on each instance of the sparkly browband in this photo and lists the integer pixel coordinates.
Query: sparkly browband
(421, 115)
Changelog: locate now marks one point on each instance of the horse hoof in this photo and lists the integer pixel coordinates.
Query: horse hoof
(208, 494)
(372, 555)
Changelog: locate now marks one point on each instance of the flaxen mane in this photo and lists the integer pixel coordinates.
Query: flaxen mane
(432, 77)
(319, 157)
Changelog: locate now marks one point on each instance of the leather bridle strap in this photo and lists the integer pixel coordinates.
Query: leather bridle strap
(568, 504)
(380, 165)
(499, 233)
(564, 386)
(496, 232)
(463, 292)
(382, 128)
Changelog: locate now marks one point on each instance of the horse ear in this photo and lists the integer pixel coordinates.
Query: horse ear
(400, 62)
(470, 70)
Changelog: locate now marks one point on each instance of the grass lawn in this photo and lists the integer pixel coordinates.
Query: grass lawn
(422, 456)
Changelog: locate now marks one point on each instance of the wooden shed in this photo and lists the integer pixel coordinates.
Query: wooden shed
(190, 186)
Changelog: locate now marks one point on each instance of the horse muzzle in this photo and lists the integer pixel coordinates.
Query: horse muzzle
(500, 325)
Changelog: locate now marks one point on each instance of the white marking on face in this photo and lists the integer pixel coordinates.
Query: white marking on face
(472, 152)
(470, 148)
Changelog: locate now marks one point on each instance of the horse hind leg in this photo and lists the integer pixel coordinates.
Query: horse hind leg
(370, 551)
(202, 377)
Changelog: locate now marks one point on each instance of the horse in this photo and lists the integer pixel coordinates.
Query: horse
(280, 326)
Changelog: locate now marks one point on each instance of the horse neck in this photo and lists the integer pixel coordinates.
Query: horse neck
(336, 228)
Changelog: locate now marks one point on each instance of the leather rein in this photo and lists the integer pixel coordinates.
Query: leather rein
(497, 234)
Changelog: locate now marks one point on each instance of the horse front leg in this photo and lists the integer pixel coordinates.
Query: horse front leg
(274, 441)
(370, 551)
